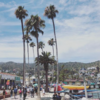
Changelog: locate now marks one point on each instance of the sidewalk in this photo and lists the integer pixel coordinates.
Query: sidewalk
(47, 96)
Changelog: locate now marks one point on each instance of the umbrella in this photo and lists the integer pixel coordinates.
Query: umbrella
(59, 88)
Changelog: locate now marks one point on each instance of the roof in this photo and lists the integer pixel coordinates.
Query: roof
(7, 74)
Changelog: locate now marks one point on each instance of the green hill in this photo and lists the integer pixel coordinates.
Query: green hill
(13, 67)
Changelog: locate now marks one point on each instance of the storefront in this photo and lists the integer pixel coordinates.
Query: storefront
(5, 77)
(17, 81)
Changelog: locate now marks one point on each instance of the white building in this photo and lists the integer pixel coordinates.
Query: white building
(91, 68)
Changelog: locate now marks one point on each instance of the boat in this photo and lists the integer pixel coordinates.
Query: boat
(74, 87)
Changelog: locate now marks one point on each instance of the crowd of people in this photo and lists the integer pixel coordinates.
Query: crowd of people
(29, 91)
(25, 91)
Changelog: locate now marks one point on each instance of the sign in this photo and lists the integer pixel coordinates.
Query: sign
(17, 78)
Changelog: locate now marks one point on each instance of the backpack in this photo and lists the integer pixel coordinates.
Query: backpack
(20, 91)
(15, 90)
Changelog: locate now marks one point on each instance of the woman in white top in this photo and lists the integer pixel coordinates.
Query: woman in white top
(43, 90)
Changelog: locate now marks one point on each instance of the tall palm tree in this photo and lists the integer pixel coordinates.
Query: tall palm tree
(32, 44)
(37, 23)
(41, 45)
(21, 13)
(50, 12)
(51, 42)
(28, 39)
(45, 59)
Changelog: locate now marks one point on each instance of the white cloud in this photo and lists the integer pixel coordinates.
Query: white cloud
(77, 34)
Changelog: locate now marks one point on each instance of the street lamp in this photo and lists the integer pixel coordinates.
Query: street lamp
(84, 73)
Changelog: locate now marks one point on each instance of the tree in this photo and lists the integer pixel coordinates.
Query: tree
(45, 59)
(36, 24)
(62, 73)
(32, 44)
(51, 42)
(41, 45)
(50, 12)
(21, 13)
(27, 38)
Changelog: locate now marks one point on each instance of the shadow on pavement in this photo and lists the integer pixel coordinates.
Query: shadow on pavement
(46, 98)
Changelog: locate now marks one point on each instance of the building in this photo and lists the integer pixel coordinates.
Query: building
(74, 82)
(5, 77)
(91, 68)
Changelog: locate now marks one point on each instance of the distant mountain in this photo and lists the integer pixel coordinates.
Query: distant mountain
(69, 65)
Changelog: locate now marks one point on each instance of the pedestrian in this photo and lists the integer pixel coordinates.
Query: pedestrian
(30, 89)
(25, 93)
(11, 92)
(54, 96)
(36, 90)
(20, 93)
(15, 92)
(4, 94)
(43, 91)
(58, 97)
(32, 92)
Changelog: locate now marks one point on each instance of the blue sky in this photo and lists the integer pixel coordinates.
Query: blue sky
(77, 29)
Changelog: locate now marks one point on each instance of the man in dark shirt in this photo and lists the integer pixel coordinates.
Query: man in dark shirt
(55, 96)
(58, 97)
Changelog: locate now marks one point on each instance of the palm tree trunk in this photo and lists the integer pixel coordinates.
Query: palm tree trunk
(33, 60)
(28, 53)
(23, 54)
(63, 77)
(46, 80)
(53, 64)
(56, 54)
(38, 71)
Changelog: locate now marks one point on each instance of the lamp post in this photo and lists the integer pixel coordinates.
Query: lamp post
(83, 72)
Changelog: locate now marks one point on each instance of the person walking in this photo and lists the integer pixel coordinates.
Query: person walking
(43, 91)
(20, 93)
(55, 96)
(32, 92)
(30, 89)
(24, 93)
(36, 90)
(11, 92)
(15, 92)
(58, 97)
(4, 94)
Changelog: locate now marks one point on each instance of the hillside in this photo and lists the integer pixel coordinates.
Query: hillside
(17, 67)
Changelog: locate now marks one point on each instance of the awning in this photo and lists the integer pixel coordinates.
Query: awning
(92, 83)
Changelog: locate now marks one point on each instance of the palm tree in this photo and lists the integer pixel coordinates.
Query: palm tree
(37, 23)
(41, 45)
(32, 44)
(45, 59)
(21, 13)
(51, 42)
(27, 38)
(50, 12)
